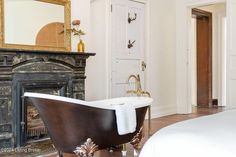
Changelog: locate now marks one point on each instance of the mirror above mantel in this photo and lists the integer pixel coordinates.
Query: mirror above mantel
(35, 24)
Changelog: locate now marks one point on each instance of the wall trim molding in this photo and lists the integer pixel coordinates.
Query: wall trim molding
(165, 110)
(140, 1)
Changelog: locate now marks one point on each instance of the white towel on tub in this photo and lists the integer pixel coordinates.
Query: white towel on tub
(125, 118)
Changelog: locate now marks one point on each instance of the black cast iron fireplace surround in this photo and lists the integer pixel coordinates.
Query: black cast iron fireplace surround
(61, 73)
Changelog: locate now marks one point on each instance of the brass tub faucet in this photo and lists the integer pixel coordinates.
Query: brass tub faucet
(138, 88)
(139, 92)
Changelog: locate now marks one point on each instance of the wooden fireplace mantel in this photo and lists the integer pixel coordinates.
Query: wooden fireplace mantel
(25, 70)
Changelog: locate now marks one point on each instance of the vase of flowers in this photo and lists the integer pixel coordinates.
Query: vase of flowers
(78, 32)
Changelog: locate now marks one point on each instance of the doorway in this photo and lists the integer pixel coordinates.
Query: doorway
(203, 56)
(208, 51)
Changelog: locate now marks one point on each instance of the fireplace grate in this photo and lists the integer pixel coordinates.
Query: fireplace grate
(35, 127)
(36, 133)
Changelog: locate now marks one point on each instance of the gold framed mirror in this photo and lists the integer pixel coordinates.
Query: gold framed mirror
(35, 24)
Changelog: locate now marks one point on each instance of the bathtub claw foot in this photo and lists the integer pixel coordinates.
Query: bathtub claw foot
(87, 149)
(135, 142)
(124, 153)
(136, 152)
(124, 150)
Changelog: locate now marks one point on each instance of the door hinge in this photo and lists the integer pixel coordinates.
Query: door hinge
(111, 8)
(143, 65)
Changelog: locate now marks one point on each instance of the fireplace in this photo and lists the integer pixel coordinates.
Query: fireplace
(29, 124)
(34, 71)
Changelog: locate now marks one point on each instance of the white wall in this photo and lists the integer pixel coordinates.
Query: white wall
(24, 19)
(80, 9)
(161, 73)
(97, 81)
(94, 83)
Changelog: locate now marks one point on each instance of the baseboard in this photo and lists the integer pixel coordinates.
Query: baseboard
(163, 111)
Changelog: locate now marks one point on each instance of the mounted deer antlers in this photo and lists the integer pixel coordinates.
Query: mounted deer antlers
(131, 44)
(131, 19)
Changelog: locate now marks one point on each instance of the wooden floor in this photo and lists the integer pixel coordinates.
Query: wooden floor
(156, 124)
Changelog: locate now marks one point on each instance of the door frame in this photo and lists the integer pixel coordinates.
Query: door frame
(199, 12)
(146, 44)
(183, 60)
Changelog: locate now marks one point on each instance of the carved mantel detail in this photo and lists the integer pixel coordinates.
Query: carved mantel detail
(5, 90)
(42, 67)
(19, 59)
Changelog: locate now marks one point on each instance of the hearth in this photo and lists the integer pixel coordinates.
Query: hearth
(34, 71)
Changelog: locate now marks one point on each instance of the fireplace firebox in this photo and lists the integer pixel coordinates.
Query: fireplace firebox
(29, 124)
(61, 73)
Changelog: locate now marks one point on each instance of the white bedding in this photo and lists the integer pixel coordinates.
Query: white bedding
(208, 136)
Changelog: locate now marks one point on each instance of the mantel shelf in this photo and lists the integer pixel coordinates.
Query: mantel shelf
(7, 50)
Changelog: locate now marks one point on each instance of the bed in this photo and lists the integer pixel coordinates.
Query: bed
(207, 136)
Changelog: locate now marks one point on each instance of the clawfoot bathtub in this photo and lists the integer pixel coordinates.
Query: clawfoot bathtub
(86, 126)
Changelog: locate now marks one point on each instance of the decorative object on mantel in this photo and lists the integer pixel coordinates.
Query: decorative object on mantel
(79, 32)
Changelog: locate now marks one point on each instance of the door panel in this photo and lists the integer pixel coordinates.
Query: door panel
(203, 61)
(118, 27)
(124, 67)
(204, 57)
(126, 61)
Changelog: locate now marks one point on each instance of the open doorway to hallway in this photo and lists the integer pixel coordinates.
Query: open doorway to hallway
(208, 55)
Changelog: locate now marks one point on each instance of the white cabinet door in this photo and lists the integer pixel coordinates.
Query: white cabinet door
(231, 55)
(126, 61)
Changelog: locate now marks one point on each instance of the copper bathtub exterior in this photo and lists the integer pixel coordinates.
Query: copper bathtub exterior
(70, 124)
